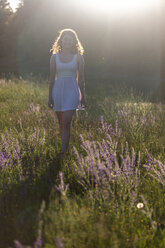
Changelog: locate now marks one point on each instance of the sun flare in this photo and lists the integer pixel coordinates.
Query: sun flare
(115, 7)
(13, 3)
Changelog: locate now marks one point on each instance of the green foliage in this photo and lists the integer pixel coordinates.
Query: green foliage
(5, 13)
(30, 166)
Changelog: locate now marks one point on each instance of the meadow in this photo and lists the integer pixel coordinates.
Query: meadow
(107, 192)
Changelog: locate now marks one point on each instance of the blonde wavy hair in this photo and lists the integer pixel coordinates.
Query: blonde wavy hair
(57, 45)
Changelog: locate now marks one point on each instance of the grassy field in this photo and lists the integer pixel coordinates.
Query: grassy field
(108, 192)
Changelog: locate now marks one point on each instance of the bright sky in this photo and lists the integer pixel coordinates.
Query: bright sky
(13, 3)
(111, 6)
(118, 7)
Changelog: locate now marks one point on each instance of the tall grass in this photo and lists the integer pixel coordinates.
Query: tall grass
(108, 192)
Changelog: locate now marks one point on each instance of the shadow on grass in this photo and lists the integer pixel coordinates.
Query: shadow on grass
(20, 205)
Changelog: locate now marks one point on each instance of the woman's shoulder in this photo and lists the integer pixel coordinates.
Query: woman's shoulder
(80, 58)
(79, 55)
(53, 56)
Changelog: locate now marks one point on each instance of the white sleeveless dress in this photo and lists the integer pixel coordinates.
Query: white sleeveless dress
(66, 93)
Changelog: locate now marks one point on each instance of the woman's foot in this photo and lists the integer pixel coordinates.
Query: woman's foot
(62, 154)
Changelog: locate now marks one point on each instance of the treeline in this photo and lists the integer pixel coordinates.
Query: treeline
(27, 35)
(117, 48)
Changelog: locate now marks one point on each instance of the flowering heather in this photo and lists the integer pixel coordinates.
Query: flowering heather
(59, 243)
(106, 197)
(138, 115)
(17, 155)
(37, 244)
(102, 164)
(19, 245)
(31, 139)
(10, 151)
(62, 188)
(108, 129)
(37, 116)
(156, 169)
(34, 108)
(36, 138)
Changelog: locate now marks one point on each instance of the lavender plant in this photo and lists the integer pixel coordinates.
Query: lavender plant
(10, 160)
(155, 168)
(10, 150)
(139, 120)
(62, 188)
(103, 169)
(17, 152)
(108, 166)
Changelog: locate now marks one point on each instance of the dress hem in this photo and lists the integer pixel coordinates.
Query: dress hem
(63, 110)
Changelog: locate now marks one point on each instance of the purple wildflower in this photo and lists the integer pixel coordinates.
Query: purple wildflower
(101, 165)
(59, 243)
(156, 168)
(62, 188)
(38, 243)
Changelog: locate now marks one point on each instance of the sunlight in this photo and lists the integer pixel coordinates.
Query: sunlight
(115, 7)
(13, 4)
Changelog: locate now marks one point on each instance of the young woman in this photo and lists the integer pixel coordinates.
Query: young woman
(67, 85)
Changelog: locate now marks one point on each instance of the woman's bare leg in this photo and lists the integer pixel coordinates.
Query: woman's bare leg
(60, 120)
(66, 122)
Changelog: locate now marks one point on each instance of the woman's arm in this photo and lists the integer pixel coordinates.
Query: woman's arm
(81, 80)
(52, 76)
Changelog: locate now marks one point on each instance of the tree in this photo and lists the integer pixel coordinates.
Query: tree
(5, 12)
(162, 84)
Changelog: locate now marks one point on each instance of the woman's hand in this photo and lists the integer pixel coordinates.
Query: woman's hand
(83, 102)
(50, 103)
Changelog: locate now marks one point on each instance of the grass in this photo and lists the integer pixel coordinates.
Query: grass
(90, 198)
